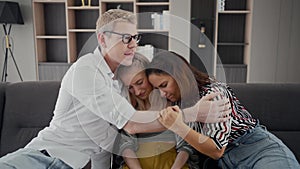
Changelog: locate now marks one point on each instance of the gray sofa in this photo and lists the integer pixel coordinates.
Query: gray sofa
(27, 107)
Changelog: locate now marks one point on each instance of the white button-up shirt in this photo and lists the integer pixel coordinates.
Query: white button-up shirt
(88, 110)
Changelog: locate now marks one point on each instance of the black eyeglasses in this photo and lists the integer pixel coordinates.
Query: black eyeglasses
(127, 38)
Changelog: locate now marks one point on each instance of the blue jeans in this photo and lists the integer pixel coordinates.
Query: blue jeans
(258, 149)
(30, 159)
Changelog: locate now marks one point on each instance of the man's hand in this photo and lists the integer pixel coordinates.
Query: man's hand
(209, 110)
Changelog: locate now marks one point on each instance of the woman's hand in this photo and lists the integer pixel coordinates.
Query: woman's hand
(171, 118)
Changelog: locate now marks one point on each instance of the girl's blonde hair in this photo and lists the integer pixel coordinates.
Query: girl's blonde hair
(139, 63)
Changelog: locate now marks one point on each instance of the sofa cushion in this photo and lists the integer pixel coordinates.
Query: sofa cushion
(276, 106)
(28, 109)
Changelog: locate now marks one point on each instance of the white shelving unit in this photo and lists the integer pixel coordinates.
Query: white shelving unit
(232, 41)
(63, 26)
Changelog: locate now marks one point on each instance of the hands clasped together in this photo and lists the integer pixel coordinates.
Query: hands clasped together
(206, 110)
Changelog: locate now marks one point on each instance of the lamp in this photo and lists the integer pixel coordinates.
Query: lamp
(9, 14)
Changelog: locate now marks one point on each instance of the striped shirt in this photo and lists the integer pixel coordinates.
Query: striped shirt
(223, 133)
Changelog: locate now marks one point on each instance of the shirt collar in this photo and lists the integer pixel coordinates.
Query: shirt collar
(103, 64)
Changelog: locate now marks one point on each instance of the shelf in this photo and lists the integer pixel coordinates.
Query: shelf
(49, 1)
(195, 19)
(83, 7)
(152, 31)
(234, 12)
(82, 30)
(232, 44)
(50, 37)
(152, 3)
(117, 1)
(55, 63)
(232, 65)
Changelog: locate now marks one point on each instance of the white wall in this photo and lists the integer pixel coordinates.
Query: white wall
(275, 51)
(180, 27)
(23, 46)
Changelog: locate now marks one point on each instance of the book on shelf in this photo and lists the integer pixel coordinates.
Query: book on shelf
(161, 21)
